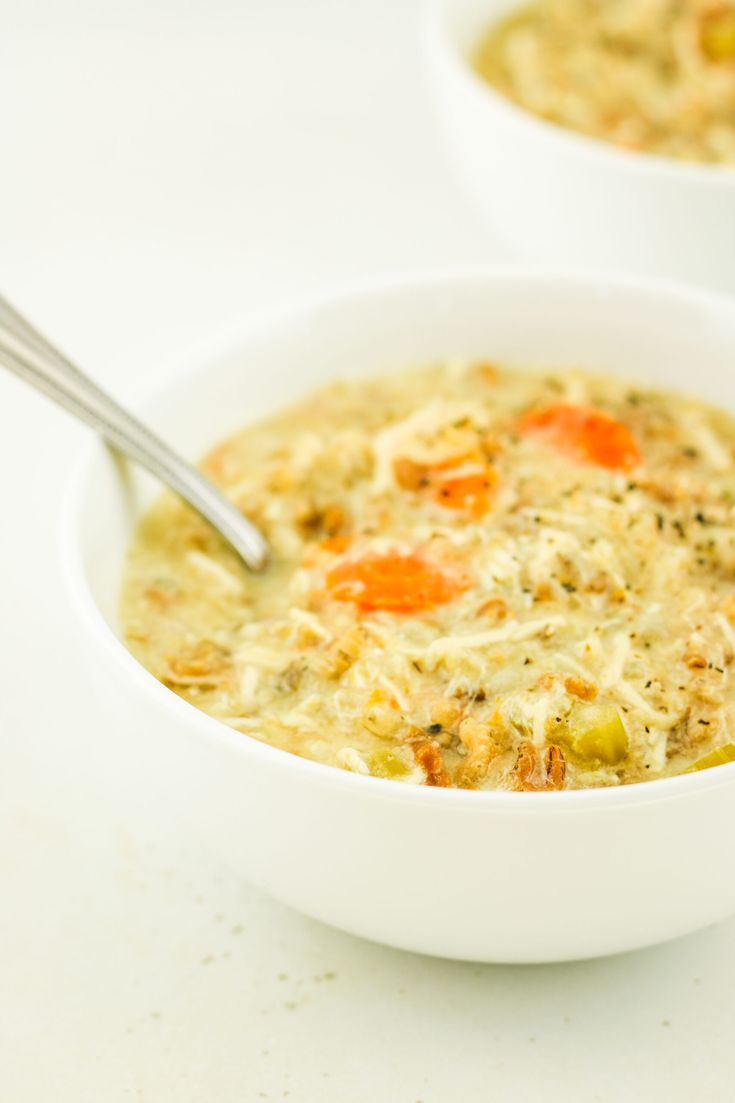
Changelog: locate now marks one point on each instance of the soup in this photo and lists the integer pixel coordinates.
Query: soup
(482, 577)
(656, 76)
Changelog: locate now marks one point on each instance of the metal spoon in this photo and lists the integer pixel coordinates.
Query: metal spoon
(27, 353)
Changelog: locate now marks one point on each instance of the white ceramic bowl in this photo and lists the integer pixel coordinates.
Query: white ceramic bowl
(559, 197)
(477, 875)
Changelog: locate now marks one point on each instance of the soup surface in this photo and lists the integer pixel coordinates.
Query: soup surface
(650, 75)
(481, 577)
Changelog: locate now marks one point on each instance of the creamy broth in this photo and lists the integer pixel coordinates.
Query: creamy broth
(482, 577)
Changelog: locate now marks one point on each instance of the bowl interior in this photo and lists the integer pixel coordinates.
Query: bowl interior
(673, 338)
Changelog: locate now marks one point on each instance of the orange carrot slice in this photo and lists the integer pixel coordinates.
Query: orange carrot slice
(472, 492)
(584, 434)
(335, 544)
(393, 582)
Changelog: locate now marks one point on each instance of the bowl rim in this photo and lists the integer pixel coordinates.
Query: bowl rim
(180, 370)
(437, 37)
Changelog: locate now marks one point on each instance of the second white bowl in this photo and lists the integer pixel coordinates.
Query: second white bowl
(556, 196)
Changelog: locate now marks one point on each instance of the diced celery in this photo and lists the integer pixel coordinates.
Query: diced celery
(718, 36)
(718, 757)
(597, 733)
(385, 763)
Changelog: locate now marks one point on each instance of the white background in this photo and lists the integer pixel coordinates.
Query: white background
(166, 168)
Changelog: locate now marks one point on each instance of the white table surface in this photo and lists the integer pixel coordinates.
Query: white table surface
(168, 166)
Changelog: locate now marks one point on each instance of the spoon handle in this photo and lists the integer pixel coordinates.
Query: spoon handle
(29, 355)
